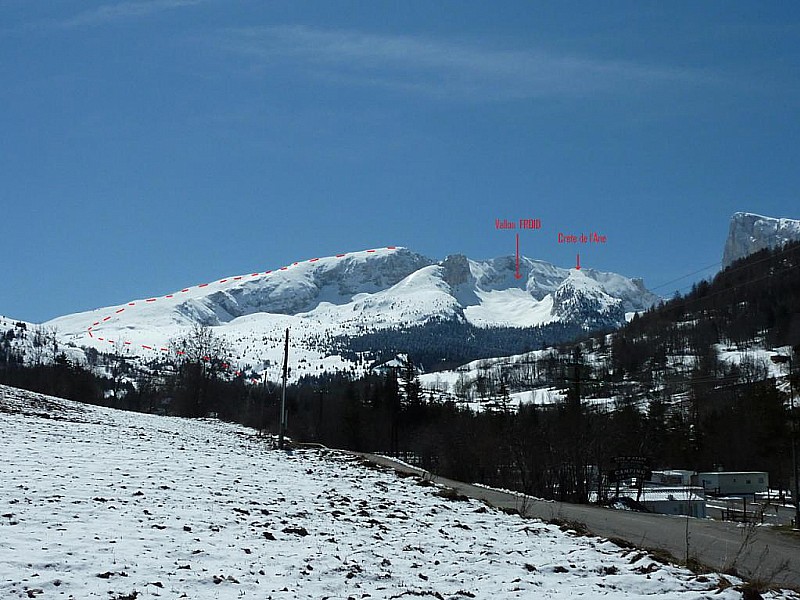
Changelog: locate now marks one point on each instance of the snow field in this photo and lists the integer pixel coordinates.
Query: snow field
(96, 503)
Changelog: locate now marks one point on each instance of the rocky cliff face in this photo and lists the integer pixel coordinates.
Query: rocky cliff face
(750, 233)
(334, 281)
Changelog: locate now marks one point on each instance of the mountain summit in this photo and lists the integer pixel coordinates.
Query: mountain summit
(750, 233)
(349, 295)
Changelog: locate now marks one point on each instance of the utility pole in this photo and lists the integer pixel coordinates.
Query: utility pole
(282, 419)
(793, 424)
(261, 426)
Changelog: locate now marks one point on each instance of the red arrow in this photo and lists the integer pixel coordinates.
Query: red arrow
(517, 275)
(578, 266)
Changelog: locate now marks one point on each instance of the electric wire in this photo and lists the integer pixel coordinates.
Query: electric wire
(685, 276)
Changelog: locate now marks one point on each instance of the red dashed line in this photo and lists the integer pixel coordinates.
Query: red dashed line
(185, 290)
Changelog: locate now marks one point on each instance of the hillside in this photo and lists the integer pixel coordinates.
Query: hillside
(729, 326)
(98, 503)
(688, 384)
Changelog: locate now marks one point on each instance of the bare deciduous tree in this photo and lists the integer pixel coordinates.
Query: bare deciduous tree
(202, 359)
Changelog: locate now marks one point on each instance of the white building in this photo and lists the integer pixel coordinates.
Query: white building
(672, 477)
(733, 483)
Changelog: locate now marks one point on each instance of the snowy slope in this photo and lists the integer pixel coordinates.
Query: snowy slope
(7, 323)
(749, 233)
(460, 384)
(582, 299)
(96, 503)
(350, 294)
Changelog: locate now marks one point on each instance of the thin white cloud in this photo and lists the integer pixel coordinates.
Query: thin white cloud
(419, 65)
(120, 11)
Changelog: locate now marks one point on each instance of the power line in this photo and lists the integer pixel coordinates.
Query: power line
(745, 265)
(685, 276)
(685, 302)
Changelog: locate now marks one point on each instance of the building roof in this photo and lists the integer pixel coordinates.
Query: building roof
(667, 494)
(732, 473)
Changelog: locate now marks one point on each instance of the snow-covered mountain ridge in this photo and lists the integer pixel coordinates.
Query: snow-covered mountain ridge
(749, 233)
(349, 294)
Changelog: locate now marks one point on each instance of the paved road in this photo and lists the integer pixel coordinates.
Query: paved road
(756, 553)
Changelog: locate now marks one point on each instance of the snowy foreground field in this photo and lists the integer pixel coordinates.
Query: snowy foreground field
(96, 503)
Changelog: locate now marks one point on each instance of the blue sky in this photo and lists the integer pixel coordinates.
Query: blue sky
(146, 145)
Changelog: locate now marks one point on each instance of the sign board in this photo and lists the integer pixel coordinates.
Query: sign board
(628, 467)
